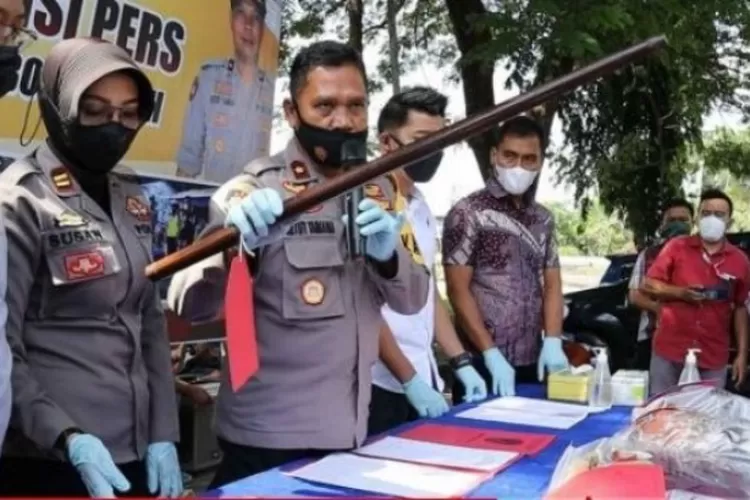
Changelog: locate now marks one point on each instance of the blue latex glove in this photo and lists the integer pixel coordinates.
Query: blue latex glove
(380, 229)
(474, 387)
(503, 375)
(552, 357)
(95, 466)
(427, 401)
(254, 215)
(163, 468)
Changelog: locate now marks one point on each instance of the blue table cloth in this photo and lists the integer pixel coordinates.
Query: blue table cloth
(526, 479)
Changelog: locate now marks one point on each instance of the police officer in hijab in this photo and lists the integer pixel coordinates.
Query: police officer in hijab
(94, 406)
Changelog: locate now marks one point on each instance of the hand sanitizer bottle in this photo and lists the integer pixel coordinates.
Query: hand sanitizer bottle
(600, 393)
(690, 373)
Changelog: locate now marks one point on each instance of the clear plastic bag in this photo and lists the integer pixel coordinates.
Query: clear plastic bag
(699, 452)
(592, 455)
(701, 397)
(699, 435)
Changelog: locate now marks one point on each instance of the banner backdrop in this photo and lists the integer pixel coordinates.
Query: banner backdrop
(176, 42)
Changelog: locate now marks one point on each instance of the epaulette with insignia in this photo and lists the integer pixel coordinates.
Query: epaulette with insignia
(61, 179)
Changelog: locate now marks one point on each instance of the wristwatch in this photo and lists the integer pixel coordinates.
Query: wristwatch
(62, 440)
(457, 362)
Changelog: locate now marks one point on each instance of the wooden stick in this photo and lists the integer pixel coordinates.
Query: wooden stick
(226, 238)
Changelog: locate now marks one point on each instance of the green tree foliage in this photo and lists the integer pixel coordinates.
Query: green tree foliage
(728, 150)
(626, 135)
(598, 234)
(726, 163)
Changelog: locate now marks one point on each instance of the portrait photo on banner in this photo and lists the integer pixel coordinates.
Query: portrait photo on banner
(213, 66)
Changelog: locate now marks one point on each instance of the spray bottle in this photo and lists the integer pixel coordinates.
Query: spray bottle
(600, 392)
(690, 373)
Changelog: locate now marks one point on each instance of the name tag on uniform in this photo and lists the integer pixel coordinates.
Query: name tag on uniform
(78, 255)
(312, 227)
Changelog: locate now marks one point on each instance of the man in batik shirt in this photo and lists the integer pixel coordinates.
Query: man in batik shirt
(502, 267)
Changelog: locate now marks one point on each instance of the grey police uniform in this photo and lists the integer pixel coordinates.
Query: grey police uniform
(6, 357)
(317, 316)
(227, 123)
(86, 327)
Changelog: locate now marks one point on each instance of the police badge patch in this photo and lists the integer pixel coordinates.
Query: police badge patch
(313, 292)
(135, 207)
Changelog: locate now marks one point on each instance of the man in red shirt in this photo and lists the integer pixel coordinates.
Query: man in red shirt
(702, 283)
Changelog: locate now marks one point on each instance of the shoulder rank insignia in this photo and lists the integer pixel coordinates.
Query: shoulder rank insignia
(62, 179)
(68, 218)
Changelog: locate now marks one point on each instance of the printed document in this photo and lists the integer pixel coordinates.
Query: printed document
(526, 411)
(409, 450)
(399, 479)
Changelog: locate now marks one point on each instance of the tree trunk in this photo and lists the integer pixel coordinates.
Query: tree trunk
(476, 75)
(393, 45)
(355, 10)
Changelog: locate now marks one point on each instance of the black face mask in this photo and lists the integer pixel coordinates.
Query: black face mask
(98, 149)
(10, 62)
(425, 169)
(326, 146)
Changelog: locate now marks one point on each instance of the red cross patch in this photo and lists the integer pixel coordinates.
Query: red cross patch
(84, 265)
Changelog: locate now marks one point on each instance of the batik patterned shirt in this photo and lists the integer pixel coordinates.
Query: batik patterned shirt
(509, 248)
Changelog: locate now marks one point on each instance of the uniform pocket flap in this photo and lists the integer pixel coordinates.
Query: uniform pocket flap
(313, 252)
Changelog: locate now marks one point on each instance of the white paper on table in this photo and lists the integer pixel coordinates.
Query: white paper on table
(537, 406)
(521, 418)
(388, 477)
(441, 455)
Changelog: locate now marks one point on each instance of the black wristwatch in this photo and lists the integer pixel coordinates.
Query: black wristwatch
(457, 362)
(61, 443)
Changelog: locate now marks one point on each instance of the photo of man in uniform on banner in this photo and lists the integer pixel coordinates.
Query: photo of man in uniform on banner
(228, 119)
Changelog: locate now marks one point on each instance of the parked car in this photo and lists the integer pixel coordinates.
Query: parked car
(602, 316)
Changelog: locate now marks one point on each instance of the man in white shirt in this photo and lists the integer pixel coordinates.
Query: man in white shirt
(406, 383)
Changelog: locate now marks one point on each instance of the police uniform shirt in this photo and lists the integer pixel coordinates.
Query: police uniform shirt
(317, 316)
(414, 333)
(85, 325)
(227, 123)
(6, 358)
